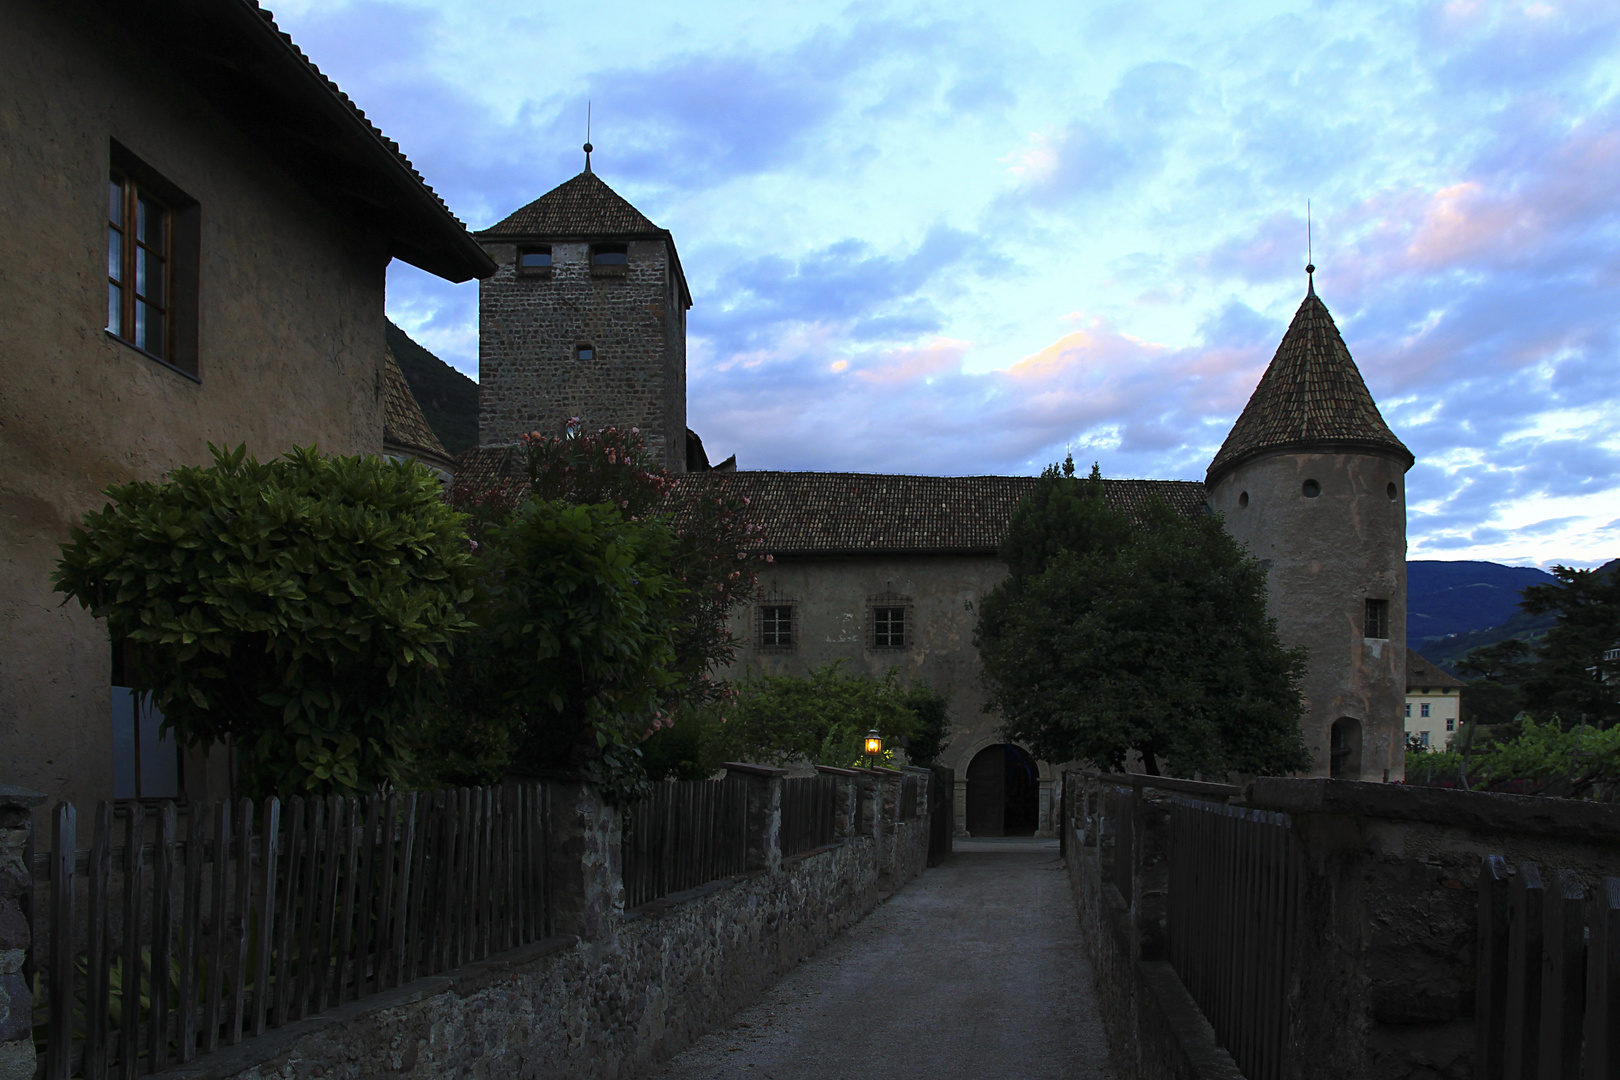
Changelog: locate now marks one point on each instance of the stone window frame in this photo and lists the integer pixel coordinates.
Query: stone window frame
(535, 271)
(610, 269)
(776, 601)
(889, 601)
(132, 183)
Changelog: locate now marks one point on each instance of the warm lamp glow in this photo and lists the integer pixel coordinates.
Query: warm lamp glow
(874, 743)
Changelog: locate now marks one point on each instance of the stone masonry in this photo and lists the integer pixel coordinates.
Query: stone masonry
(531, 326)
(17, 1061)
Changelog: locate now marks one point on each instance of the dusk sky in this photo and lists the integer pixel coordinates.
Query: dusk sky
(965, 238)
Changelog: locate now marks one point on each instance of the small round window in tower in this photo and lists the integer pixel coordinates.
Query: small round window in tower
(1243, 499)
(1393, 492)
(584, 352)
(1311, 489)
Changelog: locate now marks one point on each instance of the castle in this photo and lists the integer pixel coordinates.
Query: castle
(585, 317)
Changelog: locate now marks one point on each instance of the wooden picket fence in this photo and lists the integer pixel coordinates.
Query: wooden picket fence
(809, 813)
(1234, 911)
(1547, 996)
(684, 834)
(151, 949)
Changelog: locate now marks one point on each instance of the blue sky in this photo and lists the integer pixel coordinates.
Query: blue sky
(965, 238)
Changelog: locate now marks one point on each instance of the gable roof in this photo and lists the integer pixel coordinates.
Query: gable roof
(406, 431)
(581, 207)
(1422, 674)
(1312, 397)
(233, 54)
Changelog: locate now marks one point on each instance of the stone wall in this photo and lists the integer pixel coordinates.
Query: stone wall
(17, 1059)
(1383, 976)
(624, 990)
(531, 324)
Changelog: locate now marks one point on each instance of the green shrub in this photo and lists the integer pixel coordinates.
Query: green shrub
(301, 608)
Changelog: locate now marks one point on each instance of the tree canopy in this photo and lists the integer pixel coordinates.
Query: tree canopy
(302, 608)
(1111, 635)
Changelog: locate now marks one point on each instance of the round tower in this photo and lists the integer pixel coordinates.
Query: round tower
(1313, 481)
(585, 316)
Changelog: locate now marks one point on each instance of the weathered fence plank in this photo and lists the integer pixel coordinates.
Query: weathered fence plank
(1562, 978)
(1522, 1025)
(1602, 1051)
(1491, 969)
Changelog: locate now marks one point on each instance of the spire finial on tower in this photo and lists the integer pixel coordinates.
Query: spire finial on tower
(1310, 260)
(588, 147)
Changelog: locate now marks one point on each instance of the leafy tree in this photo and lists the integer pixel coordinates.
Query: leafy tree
(1111, 635)
(1576, 675)
(639, 583)
(932, 733)
(822, 717)
(302, 608)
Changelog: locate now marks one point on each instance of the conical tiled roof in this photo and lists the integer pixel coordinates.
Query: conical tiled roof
(583, 206)
(1310, 398)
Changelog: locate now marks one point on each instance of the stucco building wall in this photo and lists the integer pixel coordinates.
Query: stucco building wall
(530, 325)
(1327, 556)
(290, 331)
(832, 599)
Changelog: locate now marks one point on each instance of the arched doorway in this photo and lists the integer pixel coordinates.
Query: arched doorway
(1003, 792)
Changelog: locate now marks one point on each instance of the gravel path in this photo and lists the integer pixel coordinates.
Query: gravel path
(974, 969)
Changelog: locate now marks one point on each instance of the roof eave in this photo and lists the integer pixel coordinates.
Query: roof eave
(1218, 469)
(233, 55)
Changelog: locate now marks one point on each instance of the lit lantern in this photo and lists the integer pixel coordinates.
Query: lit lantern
(874, 743)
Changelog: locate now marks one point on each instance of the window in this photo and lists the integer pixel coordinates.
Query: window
(146, 762)
(1451, 723)
(1423, 738)
(1423, 709)
(1243, 499)
(888, 628)
(152, 232)
(610, 254)
(584, 352)
(1408, 710)
(535, 261)
(1376, 620)
(1311, 489)
(776, 625)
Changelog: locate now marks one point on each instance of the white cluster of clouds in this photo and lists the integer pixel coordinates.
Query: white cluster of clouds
(969, 238)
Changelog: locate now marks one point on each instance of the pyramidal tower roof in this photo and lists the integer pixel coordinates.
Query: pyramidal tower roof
(582, 207)
(1311, 398)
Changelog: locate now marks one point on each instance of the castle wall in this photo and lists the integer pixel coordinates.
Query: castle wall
(1326, 556)
(530, 325)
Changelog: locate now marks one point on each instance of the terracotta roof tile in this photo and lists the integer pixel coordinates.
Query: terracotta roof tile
(810, 512)
(1312, 396)
(583, 206)
(1420, 673)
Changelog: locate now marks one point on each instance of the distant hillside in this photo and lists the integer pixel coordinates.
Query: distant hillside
(1450, 591)
(448, 398)
(1449, 598)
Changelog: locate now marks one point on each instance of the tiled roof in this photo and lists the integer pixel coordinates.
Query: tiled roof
(851, 513)
(1420, 674)
(583, 206)
(811, 512)
(404, 427)
(1310, 397)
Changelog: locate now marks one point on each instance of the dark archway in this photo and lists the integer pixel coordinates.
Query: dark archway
(1344, 749)
(1003, 792)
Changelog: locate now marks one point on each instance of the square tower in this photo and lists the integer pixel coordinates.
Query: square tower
(585, 316)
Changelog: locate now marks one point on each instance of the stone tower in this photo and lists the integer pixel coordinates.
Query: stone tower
(1312, 480)
(584, 317)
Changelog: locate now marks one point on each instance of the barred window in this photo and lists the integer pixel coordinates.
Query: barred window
(1376, 622)
(888, 628)
(776, 625)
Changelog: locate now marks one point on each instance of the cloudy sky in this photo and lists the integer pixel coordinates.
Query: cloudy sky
(964, 238)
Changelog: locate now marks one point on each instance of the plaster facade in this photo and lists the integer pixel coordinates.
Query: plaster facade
(1326, 556)
(289, 341)
(530, 328)
(832, 599)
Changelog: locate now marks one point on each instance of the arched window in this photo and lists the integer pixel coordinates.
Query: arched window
(1344, 749)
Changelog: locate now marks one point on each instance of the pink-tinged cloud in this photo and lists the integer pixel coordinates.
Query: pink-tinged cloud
(908, 364)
